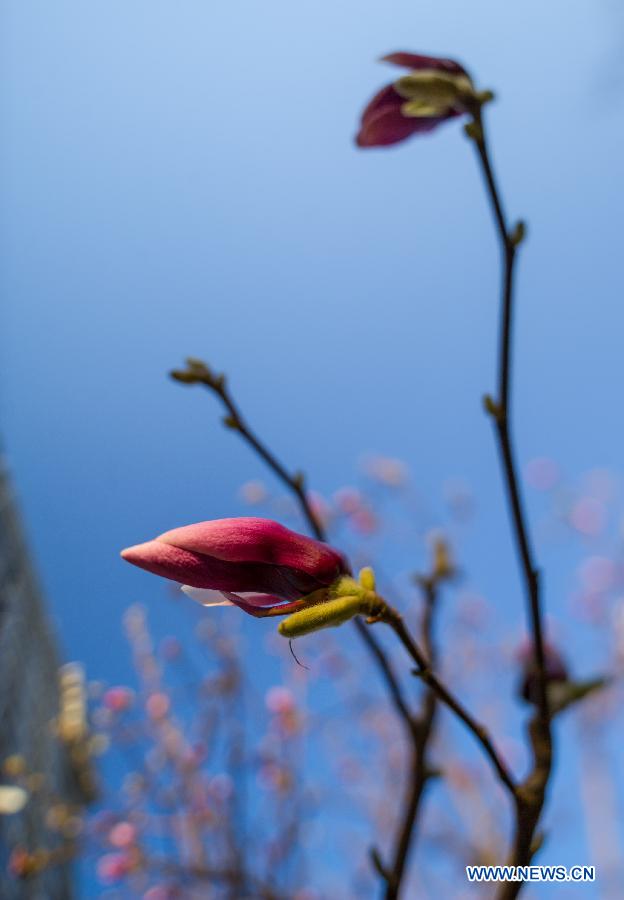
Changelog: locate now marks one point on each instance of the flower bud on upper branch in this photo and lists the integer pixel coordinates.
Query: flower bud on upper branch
(197, 372)
(434, 91)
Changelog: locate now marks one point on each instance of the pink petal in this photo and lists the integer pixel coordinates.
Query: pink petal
(216, 598)
(388, 126)
(255, 540)
(387, 98)
(202, 571)
(171, 562)
(205, 596)
(417, 61)
(260, 610)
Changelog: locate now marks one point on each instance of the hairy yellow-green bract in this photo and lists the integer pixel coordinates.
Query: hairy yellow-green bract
(323, 615)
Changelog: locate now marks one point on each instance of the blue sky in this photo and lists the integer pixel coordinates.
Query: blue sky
(181, 179)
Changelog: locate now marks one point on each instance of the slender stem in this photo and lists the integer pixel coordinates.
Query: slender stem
(417, 783)
(390, 679)
(502, 415)
(294, 483)
(420, 770)
(531, 794)
(392, 618)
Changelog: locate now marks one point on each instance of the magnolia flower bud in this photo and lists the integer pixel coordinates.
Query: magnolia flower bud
(249, 562)
(435, 91)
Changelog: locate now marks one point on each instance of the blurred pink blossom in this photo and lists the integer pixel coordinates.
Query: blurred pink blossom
(387, 470)
(598, 573)
(254, 492)
(157, 705)
(118, 699)
(320, 507)
(588, 516)
(158, 892)
(542, 473)
(364, 521)
(113, 867)
(221, 786)
(122, 835)
(171, 648)
(280, 700)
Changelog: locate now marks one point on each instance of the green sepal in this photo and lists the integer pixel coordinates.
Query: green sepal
(346, 586)
(322, 615)
(430, 92)
(563, 694)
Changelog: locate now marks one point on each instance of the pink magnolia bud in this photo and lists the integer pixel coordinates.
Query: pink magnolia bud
(250, 562)
(435, 91)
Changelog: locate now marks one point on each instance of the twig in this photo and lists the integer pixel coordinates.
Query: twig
(391, 617)
(420, 770)
(531, 793)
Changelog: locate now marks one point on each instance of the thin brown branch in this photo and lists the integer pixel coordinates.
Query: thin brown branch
(420, 769)
(392, 618)
(531, 793)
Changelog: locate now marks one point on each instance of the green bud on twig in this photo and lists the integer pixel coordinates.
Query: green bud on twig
(518, 234)
(367, 578)
(346, 586)
(183, 376)
(197, 366)
(197, 372)
(473, 131)
(491, 407)
(442, 568)
(537, 842)
(484, 97)
(378, 864)
(432, 93)
(566, 693)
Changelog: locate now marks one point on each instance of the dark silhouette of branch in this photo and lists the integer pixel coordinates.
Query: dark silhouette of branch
(420, 769)
(423, 670)
(531, 793)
